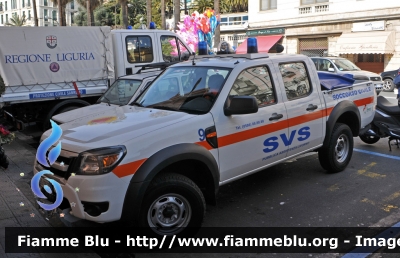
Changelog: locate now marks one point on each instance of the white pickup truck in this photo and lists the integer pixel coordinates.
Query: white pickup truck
(202, 124)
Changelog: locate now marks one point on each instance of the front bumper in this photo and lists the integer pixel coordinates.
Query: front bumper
(80, 190)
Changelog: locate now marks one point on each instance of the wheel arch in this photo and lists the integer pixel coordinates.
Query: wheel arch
(345, 112)
(177, 159)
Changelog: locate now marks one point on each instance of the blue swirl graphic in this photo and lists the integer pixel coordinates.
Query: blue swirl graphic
(47, 143)
(36, 190)
(41, 158)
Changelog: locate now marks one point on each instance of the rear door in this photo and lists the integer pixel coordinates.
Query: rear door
(303, 104)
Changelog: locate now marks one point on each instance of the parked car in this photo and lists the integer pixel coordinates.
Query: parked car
(388, 78)
(340, 65)
(122, 92)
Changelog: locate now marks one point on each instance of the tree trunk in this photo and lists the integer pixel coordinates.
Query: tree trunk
(124, 8)
(148, 8)
(217, 34)
(35, 17)
(64, 19)
(177, 13)
(89, 13)
(163, 14)
(60, 16)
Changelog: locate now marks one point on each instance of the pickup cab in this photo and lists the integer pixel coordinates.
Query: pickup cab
(202, 124)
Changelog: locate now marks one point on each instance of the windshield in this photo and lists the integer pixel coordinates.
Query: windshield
(345, 65)
(120, 92)
(190, 89)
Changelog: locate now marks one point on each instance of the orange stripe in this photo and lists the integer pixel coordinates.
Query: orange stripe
(362, 102)
(128, 169)
(131, 168)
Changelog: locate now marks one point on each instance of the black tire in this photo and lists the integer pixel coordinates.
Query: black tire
(369, 139)
(337, 155)
(388, 85)
(172, 196)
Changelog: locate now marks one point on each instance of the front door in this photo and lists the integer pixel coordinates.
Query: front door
(249, 142)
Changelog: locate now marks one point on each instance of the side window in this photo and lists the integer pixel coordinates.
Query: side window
(139, 49)
(183, 51)
(173, 49)
(324, 65)
(169, 48)
(295, 79)
(255, 81)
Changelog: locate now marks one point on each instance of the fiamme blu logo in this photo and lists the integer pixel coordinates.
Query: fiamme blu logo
(47, 161)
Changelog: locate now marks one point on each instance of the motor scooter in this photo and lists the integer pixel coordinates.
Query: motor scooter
(386, 123)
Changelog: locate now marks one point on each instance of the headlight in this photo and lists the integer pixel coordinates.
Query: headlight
(99, 161)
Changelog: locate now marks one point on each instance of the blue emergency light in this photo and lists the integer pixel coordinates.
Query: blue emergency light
(203, 48)
(252, 46)
(152, 25)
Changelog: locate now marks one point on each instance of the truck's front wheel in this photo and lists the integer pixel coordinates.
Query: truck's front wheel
(337, 155)
(172, 205)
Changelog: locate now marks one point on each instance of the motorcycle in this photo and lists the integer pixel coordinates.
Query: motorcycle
(386, 123)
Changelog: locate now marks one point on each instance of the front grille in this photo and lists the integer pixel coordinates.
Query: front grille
(63, 166)
(375, 78)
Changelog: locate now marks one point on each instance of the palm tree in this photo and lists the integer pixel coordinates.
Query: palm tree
(148, 9)
(217, 31)
(61, 10)
(177, 13)
(91, 5)
(16, 20)
(202, 5)
(163, 14)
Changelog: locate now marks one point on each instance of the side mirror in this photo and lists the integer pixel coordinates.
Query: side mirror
(240, 105)
(330, 69)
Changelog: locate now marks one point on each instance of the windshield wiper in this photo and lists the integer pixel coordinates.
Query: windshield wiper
(136, 104)
(164, 107)
(108, 101)
(195, 85)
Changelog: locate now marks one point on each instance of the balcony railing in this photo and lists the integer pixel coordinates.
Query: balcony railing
(314, 9)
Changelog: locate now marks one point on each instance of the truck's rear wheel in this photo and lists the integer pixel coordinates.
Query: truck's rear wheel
(172, 205)
(337, 155)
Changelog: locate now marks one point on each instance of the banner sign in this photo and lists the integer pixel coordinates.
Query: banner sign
(266, 32)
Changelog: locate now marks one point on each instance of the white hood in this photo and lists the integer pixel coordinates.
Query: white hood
(115, 127)
(81, 112)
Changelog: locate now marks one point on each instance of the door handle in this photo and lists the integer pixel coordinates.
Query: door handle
(275, 116)
(311, 107)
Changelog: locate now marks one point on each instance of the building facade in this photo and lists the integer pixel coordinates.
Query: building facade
(47, 12)
(366, 32)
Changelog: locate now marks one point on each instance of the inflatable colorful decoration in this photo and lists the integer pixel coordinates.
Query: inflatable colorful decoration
(199, 27)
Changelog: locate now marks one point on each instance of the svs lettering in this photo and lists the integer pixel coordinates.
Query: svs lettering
(272, 143)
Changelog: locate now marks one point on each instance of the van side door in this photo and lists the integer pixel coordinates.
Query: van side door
(138, 49)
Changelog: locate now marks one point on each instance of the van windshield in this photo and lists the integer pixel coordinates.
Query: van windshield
(120, 92)
(189, 89)
(345, 65)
